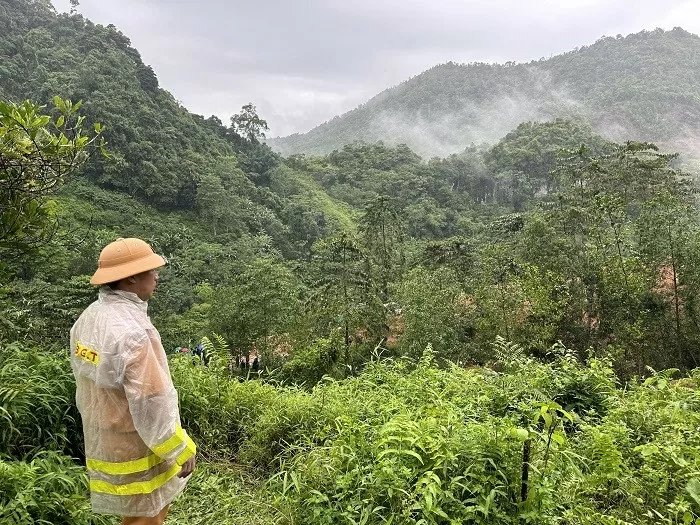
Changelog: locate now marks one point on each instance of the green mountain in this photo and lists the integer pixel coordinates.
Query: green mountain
(645, 86)
(162, 155)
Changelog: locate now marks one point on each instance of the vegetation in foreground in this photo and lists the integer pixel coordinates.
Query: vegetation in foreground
(404, 442)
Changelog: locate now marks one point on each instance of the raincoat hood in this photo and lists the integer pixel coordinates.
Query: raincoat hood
(109, 296)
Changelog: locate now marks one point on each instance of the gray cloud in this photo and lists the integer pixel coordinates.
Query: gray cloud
(302, 62)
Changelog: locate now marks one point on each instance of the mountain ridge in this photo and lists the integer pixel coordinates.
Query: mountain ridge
(636, 87)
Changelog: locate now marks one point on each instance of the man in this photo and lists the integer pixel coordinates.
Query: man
(138, 456)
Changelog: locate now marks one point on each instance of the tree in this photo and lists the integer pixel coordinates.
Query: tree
(383, 237)
(37, 152)
(433, 309)
(344, 295)
(456, 253)
(262, 302)
(211, 200)
(667, 228)
(587, 235)
(533, 147)
(248, 124)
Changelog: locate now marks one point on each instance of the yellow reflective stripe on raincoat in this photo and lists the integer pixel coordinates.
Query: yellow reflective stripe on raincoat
(137, 487)
(124, 467)
(127, 467)
(170, 444)
(186, 454)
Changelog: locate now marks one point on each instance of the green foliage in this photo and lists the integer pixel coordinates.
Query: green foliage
(219, 493)
(214, 406)
(366, 175)
(435, 311)
(344, 297)
(49, 489)
(294, 423)
(262, 301)
(383, 238)
(611, 256)
(309, 364)
(50, 309)
(37, 408)
(506, 256)
(161, 153)
(533, 147)
(37, 151)
(525, 158)
(403, 442)
(425, 447)
(248, 124)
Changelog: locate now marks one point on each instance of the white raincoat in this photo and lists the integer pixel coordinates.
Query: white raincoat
(134, 444)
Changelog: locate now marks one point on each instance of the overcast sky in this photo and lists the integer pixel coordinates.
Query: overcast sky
(301, 62)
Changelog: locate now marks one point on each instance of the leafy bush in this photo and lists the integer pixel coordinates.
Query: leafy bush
(404, 442)
(417, 444)
(221, 493)
(50, 490)
(295, 422)
(37, 403)
(309, 364)
(215, 407)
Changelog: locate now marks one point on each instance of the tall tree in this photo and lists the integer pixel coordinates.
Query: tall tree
(262, 302)
(248, 124)
(587, 233)
(344, 295)
(383, 237)
(666, 229)
(433, 311)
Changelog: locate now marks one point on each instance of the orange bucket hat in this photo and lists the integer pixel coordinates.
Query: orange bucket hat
(123, 258)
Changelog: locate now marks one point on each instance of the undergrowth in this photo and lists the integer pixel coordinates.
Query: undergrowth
(405, 442)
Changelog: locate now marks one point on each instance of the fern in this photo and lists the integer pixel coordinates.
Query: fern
(506, 351)
(428, 357)
(37, 410)
(217, 351)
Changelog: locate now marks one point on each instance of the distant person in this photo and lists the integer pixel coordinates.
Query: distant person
(256, 364)
(201, 352)
(138, 456)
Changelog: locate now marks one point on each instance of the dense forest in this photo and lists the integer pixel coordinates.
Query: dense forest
(508, 334)
(640, 87)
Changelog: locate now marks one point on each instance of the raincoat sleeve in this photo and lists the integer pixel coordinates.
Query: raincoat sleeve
(153, 402)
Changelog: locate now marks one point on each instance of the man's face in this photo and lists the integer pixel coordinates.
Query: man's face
(145, 284)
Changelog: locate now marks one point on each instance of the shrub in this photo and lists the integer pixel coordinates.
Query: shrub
(50, 489)
(37, 403)
(215, 407)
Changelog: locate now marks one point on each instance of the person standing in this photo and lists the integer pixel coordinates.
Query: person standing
(138, 456)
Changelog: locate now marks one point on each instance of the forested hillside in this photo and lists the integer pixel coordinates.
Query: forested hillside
(644, 87)
(161, 154)
(509, 334)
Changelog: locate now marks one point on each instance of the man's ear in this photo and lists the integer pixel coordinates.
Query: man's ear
(132, 279)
